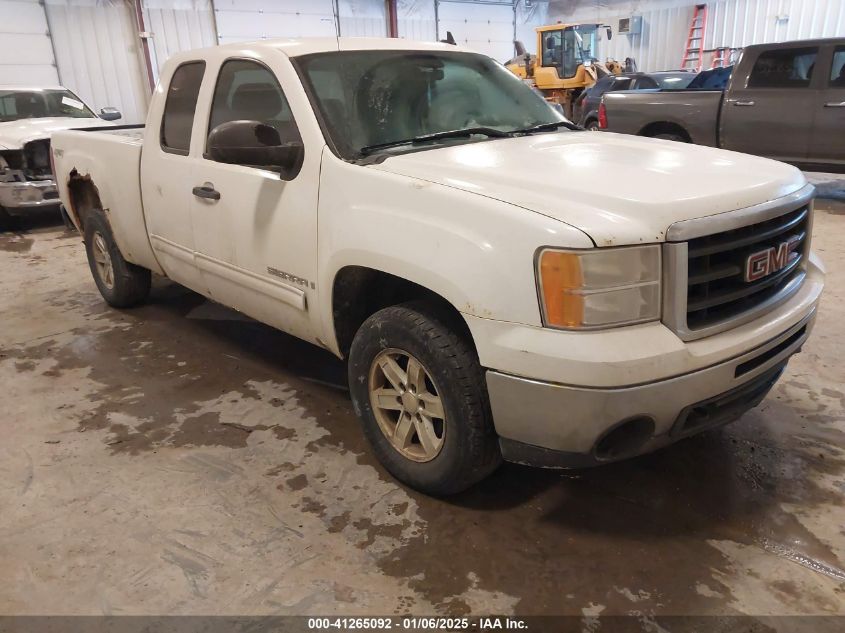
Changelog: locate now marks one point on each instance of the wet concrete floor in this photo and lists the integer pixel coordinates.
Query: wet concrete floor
(178, 458)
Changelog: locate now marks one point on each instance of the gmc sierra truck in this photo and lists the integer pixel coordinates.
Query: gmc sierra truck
(421, 213)
(28, 115)
(783, 101)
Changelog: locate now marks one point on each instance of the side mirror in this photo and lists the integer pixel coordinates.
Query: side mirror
(110, 114)
(257, 145)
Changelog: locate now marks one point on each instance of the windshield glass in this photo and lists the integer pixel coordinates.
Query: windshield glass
(370, 98)
(40, 104)
(585, 38)
(674, 82)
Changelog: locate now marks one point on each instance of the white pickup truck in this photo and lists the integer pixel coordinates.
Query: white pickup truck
(417, 210)
(28, 116)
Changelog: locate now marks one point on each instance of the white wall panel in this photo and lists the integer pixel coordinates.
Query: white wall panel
(362, 18)
(734, 23)
(529, 18)
(242, 20)
(98, 54)
(177, 25)
(26, 53)
(417, 20)
(485, 27)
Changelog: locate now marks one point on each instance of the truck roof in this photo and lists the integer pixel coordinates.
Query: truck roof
(308, 45)
(793, 43)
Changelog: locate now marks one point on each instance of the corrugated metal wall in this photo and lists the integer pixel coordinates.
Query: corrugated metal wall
(98, 54)
(24, 28)
(417, 20)
(734, 23)
(362, 18)
(178, 25)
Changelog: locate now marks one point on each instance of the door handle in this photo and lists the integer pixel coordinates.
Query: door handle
(834, 104)
(207, 191)
(745, 104)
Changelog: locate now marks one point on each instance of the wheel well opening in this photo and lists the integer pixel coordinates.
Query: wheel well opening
(84, 197)
(359, 292)
(665, 127)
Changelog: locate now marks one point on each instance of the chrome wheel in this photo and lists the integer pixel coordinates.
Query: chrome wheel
(407, 405)
(102, 260)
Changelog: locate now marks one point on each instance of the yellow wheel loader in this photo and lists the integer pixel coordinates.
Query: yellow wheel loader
(566, 63)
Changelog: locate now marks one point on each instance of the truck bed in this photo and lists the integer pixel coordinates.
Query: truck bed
(645, 113)
(111, 157)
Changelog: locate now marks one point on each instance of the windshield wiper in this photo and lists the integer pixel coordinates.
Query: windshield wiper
(436, 136)
(547, 127)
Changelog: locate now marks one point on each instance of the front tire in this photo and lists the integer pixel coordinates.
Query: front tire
(121, 283)
(420, 393)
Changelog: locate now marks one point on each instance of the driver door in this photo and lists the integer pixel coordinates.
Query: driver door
(255, 233)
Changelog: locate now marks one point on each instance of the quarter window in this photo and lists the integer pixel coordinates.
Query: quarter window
(837, 71)
(784, 68)
(249, 91)
(180, 106)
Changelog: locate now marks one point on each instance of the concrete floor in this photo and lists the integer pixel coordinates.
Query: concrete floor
(177, 458)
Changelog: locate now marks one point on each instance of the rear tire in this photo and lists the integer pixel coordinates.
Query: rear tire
(434, 429)
(121, 283)
(592, 126)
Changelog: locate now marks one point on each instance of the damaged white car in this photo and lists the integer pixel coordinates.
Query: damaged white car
(28, 116)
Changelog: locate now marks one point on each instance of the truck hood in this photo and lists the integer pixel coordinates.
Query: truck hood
(618, 189)
(14, 134)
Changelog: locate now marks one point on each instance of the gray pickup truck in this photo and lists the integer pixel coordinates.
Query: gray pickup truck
(784, 101)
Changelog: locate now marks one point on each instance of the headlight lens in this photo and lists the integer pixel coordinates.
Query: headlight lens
(599, 288)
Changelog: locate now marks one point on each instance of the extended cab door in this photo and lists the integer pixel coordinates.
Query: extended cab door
(828, 144)
(771, 113)
(256, 237)
(166, 169)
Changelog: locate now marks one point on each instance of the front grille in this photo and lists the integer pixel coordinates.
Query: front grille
(716, 286)
(726, 407)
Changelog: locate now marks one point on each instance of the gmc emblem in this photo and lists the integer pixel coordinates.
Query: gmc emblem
(764, 263)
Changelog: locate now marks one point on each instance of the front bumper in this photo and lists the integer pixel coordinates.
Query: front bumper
(17, 197)
(554, 425)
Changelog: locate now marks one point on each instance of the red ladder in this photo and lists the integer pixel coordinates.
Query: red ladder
(721, 57)
(694, 49)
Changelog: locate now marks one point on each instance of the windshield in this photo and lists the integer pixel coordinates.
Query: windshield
(585, 39)
(369, 98)
(40, 104)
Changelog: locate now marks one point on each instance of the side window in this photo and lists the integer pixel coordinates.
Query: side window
(837, 71)
(552, 49)
(620, 83)
(784, 68)
(180, 106)
(646, 83)
(247, 90)
(7, 106)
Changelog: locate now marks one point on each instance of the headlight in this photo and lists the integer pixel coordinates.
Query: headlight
(598, 288)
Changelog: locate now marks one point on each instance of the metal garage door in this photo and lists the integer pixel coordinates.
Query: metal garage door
(486, 26)
(241, 20)
(26, 53)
